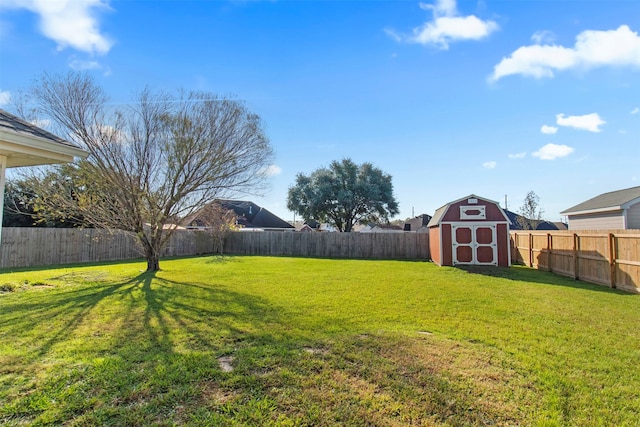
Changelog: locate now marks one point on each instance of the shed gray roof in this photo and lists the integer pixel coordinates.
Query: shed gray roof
(614, 200)
(437, 216)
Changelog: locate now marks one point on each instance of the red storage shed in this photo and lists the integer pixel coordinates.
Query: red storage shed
(470, 231)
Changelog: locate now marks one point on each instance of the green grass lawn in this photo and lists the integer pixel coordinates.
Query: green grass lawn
(314, 342)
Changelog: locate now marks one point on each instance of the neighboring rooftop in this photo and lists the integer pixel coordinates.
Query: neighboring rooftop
(517, 220)
(614, 200)
(248, 215)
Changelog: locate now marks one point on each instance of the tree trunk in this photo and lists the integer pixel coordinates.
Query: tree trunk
(153, 262)
(152, 250)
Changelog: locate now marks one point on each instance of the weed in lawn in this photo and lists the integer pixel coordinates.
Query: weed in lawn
(8, 287)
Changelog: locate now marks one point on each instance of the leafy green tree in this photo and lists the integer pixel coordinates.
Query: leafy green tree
(21, 204)
(30, 197)
(18, 205)
(344, 194)
(156, 159)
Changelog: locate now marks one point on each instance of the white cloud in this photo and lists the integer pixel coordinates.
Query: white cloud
(620, 47)
(446, 27)
(518, 155)
(635, 110)
(41, 123)
(540, 37)
(70, 23)
(590, 122)
(273, 170)
(552, 152)
(5, 97)
(81, 65)
(84, 65)
(489, 165)
(548, 130)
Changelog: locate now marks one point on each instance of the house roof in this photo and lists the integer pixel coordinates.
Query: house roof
(612, 201)
(249, 215)
(387, 227)
(415, 223)
(541, 225)
(513, 219)
(25, 144)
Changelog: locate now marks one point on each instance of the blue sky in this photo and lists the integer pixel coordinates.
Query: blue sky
(494, 98)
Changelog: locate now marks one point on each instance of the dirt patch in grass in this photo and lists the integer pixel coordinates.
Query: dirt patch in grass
(213, 394)
(226, 363)
(83, 276)
(316, 351)
(482, 380)
(401, 380)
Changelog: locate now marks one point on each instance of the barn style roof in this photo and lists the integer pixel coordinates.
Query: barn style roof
(441, 211)
(24, 144)
(612, 201)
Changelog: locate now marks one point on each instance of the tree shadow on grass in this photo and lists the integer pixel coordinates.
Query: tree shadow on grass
(530, 275)
(145, 351)
(52, 317)
(150, 312)
(144, 342)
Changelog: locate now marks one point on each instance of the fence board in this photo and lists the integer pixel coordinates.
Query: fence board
(330, 245)
(28, 247)
(610, 258)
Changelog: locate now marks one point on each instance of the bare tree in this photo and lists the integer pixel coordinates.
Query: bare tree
(530, 212)
(217, 222)
(157, 159)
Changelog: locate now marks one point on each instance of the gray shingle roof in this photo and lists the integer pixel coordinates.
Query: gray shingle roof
(613, 200)
(248, 214)
(437, 216)
(15, 124)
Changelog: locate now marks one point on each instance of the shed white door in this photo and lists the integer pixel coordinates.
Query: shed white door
(474, 244)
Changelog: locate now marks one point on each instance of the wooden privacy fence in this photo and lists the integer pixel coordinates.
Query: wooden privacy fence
(610, 258)
(330, 245)
(30, 247)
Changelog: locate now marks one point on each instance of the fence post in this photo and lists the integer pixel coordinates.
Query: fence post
(549, 250)
(612, 260)
(530, 249)
(513, 239)
(576, 262)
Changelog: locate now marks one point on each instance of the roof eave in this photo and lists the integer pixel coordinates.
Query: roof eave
(592, 211)
(33, 145)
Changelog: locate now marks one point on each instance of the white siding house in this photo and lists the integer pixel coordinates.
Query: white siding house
(616, 210)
